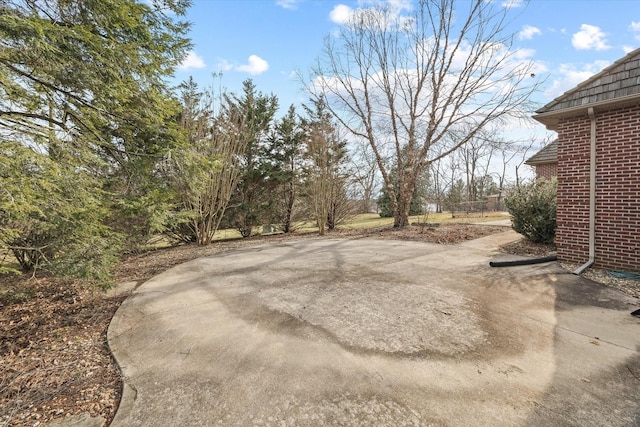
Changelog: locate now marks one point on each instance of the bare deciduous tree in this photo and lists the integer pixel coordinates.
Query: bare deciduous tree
(365, 176)
(476, 155)
(405, 82)
(206, 173)
(513, 154)
(326, 176)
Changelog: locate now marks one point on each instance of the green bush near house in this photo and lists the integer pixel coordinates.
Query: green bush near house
(533, 210)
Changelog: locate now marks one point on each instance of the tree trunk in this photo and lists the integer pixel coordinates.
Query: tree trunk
(289, 212)
(401, 216)
(401, 220)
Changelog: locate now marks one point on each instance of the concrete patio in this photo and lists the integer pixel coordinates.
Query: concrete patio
(356, 332)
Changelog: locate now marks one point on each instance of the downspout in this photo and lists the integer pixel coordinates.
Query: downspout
(592, 196)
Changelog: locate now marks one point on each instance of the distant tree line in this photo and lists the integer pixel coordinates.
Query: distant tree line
(98, 154)
(242, 167)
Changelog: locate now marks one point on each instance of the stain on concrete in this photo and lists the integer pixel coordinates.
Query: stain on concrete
(368, 332)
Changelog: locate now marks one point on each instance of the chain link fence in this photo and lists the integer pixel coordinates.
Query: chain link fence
(480, 206)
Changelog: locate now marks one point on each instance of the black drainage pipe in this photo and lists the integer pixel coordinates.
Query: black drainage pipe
(528, 261)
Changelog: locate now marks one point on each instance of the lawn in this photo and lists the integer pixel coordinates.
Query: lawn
(373, 220)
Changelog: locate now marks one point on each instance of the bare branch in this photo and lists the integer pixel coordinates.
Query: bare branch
(425, 83)
(34, 116)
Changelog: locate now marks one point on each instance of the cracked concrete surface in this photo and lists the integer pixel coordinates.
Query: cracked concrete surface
(357, 332)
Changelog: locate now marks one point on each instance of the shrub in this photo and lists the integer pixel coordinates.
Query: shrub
(533, 210)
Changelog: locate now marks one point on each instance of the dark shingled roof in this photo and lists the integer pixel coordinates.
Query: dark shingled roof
(549, 154)
(617, 84)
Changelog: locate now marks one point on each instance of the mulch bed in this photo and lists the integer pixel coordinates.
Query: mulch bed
(599, 275)
(527, 248)
(55, 360)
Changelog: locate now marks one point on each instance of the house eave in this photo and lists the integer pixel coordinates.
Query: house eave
(550, 119)
(549, 162)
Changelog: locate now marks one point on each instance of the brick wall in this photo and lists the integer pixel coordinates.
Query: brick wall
(547, 171)
(617, 189)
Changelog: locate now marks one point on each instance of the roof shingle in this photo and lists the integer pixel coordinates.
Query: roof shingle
(548, 154)
(619, 80)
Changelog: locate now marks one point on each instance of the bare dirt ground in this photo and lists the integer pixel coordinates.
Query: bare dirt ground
(55, 361)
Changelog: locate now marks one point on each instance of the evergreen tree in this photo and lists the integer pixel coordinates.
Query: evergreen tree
(418, 198)
(251, 200)
(285, 144)
(326, 168)
(455, 196)
(85, 118)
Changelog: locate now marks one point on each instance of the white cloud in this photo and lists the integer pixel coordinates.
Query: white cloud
(223, 65)
(628, 49)
(528, 31)
(512, 3)
(193, 60)
(570, 77)
(341, 14)
(255, 66)
(524, 53)
(589, 37)
(401, 4)
(288, 4)
(387, 13)
(395, 5)
(635, 28)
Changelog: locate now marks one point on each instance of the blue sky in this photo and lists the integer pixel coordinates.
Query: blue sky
(269, 40)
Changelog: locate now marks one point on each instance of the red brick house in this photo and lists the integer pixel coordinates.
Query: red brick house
(598, 169)
(545, 161)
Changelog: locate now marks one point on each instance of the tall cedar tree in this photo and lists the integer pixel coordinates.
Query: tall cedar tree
(286, 142)
(252, 197)
(84, 121)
